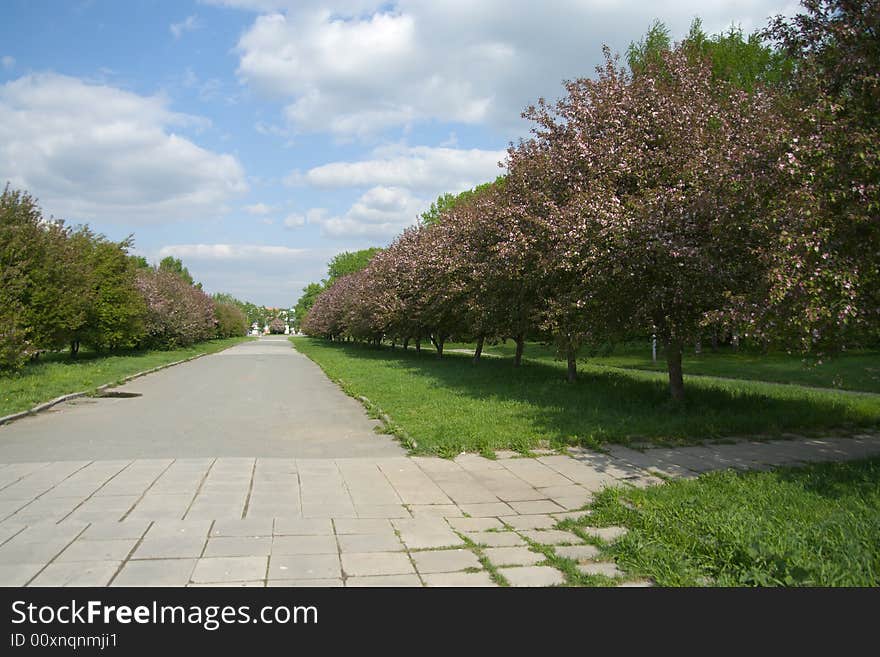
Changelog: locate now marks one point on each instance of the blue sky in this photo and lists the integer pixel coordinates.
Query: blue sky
(255, 139)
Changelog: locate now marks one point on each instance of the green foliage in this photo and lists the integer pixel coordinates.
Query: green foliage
(349, 262)
(175, 266)
(812, 526)
(447, 202)
(648, 52)
(231, 320)
(305, 302)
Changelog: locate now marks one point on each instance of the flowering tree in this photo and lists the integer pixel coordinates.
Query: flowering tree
(177, 314)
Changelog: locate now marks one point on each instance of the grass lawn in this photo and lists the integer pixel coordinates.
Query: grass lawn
(451, 405)
(857, 370)
(812, 526)
(57, 374)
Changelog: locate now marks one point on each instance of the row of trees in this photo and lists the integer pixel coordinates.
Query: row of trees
(715, 184)
(63, 287)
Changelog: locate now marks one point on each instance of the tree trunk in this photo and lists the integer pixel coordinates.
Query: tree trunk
(479, 350)
(418, 345)
(74, 348)
(698, 347)
(405, 343)
(438, 343)
(571, 355)
(673, 365)
(520, 345)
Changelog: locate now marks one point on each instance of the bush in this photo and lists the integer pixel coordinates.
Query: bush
(231, 320)
(277, 326)
(177, 314)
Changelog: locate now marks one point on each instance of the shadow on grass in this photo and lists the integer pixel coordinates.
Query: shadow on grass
(607, 405)
(856, 479)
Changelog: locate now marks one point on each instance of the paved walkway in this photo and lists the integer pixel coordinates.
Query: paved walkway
(249, 468)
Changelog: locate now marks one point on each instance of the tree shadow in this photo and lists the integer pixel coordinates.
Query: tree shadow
(619, 406)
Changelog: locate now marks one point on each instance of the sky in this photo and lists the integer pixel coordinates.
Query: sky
(256, 139)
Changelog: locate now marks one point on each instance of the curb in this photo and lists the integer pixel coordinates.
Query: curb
(6, 419)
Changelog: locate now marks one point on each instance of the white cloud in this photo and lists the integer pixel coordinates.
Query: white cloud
(93, 151)
(189, 24)
(424, 168)
(380, 213)
(230, 252)
(358, 67)
(258, 209)
(294, 221)
(8, 62)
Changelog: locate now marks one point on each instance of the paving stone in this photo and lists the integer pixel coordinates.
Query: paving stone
(444, 561)
(303, 527)
(513, 556)
(385, 542)
(116, 530)
(496, 539)
(609, 534)
(541, 521)
(533, 576)
(551, 536)
(18, 574)
(197, 528)
(303, 583)
(228, 585)
(573, 502)
(248, 527)
(488, 510)
(605, 568)
(95, 573)
(637, 584)
(384, 581)
(155, 572)
(480, 579)
(102, 550)
(304, 545)
(578, 552)
(536, 506)
(229, 569)
(435, 511)
(475, 524)
(572, 515)
(168, 547)
(357, 564)
(362, 526)
(369, 511)
(238, 546)
(425, 533)
(304, 566)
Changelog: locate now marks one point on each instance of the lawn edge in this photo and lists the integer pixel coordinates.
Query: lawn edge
(44, 406)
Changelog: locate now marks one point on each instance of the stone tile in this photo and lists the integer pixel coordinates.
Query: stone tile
(475, 524)
(304, 566)
(636, 584)
(513, 556)
(536, 506)
(95, 573)
(572, 515)
(533, 576)
(304, 545)
(358, 564)
(361, 526)
(238, 546)
(605, 568)
(435, 511)
(424, 533)
(229, 585)
(570, 490)
(100, 550)
(155, 572)
(480, 579)
(381, 511)
(229, 569)
(116, 530)
(551, 537)
(18, 574)
(444, 561)
(609, 534)
(24, 552)
(197, 528)
(248, 527)
(487, 510)
(170, 547)
(578, 552)
(304, 583)
(303, 527)
(386, 581)
(385, 542)
(496, 539)
(573, 502)
(540, 521)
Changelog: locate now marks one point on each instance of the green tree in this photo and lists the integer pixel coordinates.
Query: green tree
(447, 202)
(175, 266)
(305, 303)
(349, 262)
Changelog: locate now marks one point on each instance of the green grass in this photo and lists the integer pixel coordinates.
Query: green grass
(857, 370)
(451, 405)
(812, 526)
(57, 374)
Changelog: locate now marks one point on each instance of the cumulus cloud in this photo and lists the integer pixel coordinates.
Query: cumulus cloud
(380, 213)
(258, 209)
(415, 167)
(355, 67)
(264, 274)
(294, 221)
(8, 62)
(93, 151)
(189, 24)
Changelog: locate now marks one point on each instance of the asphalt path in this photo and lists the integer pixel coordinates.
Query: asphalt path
(257, 399)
